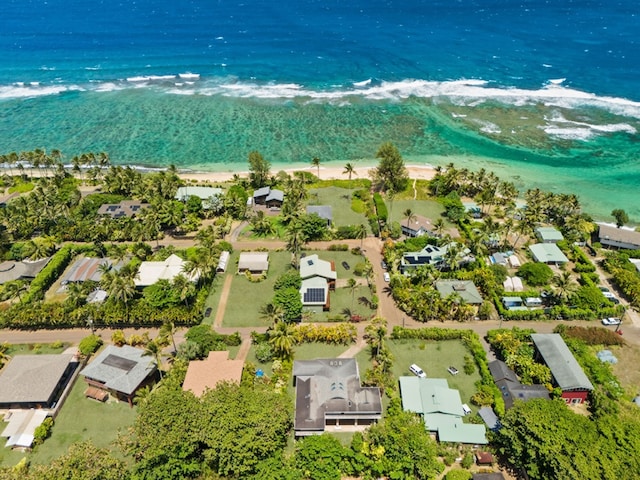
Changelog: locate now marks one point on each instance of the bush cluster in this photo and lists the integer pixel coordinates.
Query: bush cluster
(340, 334)
(90, 345)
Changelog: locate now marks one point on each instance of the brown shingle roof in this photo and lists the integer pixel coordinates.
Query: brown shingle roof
(205, 374)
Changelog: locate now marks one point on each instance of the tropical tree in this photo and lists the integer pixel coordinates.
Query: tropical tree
(391, 173)
(352, 285)
(564, 285)
(259, 170)
(295, 240)
(361, 233)
(282, 340)
(272, 313)
(154, 349)
(316, 163)
(620, 216)
(350, 170)
(409, 215)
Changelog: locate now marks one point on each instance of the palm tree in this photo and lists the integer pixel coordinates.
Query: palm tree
(120, 286)
(409, 215)
(361, 233)
(15, 289)
(350, 170)
(439, 227)
(185, 288)
(352, 285)
(564, 285)
(154, 349)
(316, 163)
(282, 340)
(169, 330)
(272, 313)
(296, 238)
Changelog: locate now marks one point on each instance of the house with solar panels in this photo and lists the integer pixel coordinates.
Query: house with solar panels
(120, 372)
(318, 280)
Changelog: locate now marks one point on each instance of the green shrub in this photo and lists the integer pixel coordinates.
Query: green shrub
(458, 475)
(264, 353)
(467, 460)
(340, 247)
(89, 345)
(42, 431)
(536, 274)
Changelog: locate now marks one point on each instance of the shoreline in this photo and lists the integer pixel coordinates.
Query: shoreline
(416, 172)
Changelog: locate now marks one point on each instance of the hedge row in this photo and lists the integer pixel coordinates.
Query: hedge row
(561, 312)
(339, 334)
(50, 273)
(381, 207)
(471, 340)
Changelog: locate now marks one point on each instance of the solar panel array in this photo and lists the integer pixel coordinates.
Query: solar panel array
(314, 295)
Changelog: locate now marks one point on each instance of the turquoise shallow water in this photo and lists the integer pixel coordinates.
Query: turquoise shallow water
(142, 126)
(500, 85)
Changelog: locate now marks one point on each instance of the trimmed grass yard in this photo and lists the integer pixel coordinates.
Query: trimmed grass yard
(83, 419)
(36, 348)
(427, 208)
(340, 201)
(215, 291)
(246, 298)
(8, 457)
(434, 357)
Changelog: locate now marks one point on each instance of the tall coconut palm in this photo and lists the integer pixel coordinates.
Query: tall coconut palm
(439, 227)
(361, 233)
(409, 215)
(350, 170)
(169, 330)
(153, 349)
(282, 340)
(352, 285)
(564, 285)
(296, 238)
(316, 163)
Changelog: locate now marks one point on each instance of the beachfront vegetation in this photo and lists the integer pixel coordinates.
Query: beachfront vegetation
(391, 175)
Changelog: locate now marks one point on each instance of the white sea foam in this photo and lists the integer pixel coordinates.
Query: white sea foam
(189, 76)
(33, 89)
(557, 81)
(363, 83)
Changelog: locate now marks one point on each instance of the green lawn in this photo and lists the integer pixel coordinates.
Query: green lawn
(427, 208)
(340, 201)
(246, 298)
(215, 292)
(83, 419)
(8, 457)
(434, 358)
(35, 348)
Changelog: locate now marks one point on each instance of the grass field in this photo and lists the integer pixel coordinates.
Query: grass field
(434, 358)
(246, 298)
(8, 457)
(427, 208)
(83, 419)
(340, 201)
(35, 348)
(215, 291)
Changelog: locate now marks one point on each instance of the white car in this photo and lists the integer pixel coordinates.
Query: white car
(611, 321)
(386, 276)
(417, 371)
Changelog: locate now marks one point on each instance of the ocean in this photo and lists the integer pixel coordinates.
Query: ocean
(546, 94)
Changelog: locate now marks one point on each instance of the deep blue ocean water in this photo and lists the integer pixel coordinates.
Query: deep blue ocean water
(545, 93)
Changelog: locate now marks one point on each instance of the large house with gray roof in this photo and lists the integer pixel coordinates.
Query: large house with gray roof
(465, 289)
(622, 237)
(565, 370)
(119, 371)
(329, 396)
(548, 253)
(24, 270)
(271, 197)
(35, 381)
(323, 211)
(441, 410)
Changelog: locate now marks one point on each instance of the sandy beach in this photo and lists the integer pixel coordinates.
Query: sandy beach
(419, 172)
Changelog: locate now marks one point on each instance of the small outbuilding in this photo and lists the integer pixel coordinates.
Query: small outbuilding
(253, 262)
(549, 234)
(323, 211)
(223, 261)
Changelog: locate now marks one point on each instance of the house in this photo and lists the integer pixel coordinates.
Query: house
(126, 208)
(511, 388)
(429, 255)
(548, 253)
(465, 289)
(35, 381)
(441, 409)
(268, 196)
(253, 262)
(472, 209)
(417, 227)
(25, 270)
(533, 302)
(203, 375)
(87, 269)
(567, 373)
(208, 195)
(329, 396)
(119, 371)
(490, 418)
(484, 458)
(150, 272)
(549, 234)
(223, 261)
(323, 211)
(622, 237)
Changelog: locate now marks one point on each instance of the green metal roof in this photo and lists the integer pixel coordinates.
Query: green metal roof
(548, 253)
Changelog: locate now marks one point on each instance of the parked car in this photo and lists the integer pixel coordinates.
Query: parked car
(452, 370)
(383, 264)
(611, 321)
(386, 276)
(604, 289)
(207, 312)
(346, 266)
(417, 371)
(611, 297)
